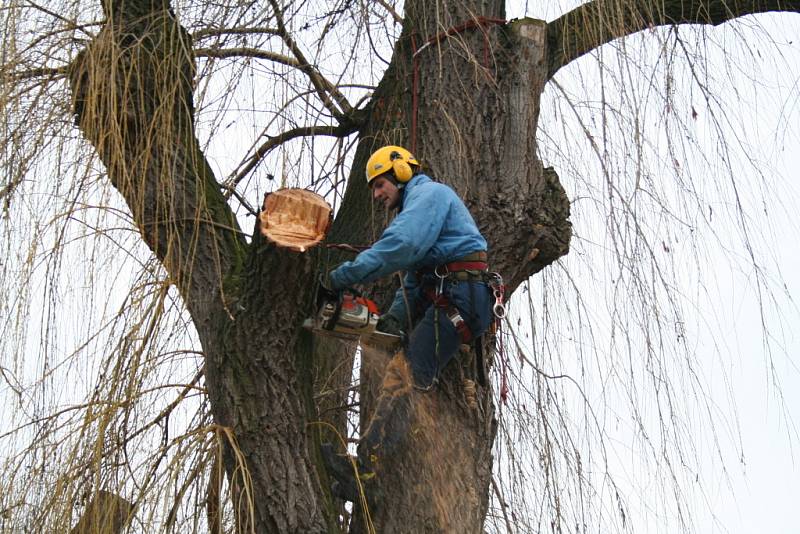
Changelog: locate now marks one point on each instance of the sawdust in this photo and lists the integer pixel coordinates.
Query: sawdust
(435, 456)
(442, 453)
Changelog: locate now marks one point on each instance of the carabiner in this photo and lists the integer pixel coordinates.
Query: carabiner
(446, 271)
(498, 309)
(498, 290)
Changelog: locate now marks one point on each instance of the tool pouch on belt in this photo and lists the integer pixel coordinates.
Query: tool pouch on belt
(458, 321)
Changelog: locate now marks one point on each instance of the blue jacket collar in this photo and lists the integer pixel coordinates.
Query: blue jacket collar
(416, 180)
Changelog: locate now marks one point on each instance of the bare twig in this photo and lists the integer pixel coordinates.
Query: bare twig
(246, 52)
(264, 149)
(396, 16)
(325, 89)
(71, 24)
(503, 505)
(9, 187)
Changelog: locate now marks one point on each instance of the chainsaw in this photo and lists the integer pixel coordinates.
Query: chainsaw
(350, 316)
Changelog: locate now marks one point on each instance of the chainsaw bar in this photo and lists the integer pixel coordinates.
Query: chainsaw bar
(376, 338)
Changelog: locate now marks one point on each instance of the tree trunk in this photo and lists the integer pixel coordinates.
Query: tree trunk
(132, 90)
(461, 102)
(461, 91)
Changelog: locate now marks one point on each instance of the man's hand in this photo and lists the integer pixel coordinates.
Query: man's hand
(331, 279)
(325, 293)
(390, 324)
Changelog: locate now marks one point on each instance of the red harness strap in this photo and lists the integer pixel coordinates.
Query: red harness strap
(452, 313)
(475, 261)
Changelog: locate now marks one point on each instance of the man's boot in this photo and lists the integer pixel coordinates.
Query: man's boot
(351, 475)
(387, 428)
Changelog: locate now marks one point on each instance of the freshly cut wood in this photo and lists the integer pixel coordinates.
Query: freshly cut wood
(296, 219)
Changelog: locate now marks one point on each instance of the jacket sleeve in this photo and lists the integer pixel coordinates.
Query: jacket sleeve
(402, 245)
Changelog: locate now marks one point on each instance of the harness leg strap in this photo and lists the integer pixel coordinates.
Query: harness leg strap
(455, 317)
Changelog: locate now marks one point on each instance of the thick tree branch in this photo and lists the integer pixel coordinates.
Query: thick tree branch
(205, 33)
(132, 95)
(133, 101)
(50, 73)
(599, 22)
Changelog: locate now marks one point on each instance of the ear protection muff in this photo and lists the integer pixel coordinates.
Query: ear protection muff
(402, 170)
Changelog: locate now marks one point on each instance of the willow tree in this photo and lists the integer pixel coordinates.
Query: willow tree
(198, 399)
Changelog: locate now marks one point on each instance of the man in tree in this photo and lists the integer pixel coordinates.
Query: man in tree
(444, 300)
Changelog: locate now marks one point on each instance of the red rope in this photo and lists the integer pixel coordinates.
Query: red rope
(346, 246)
(503, 365)
(477, 22)
(414, 95)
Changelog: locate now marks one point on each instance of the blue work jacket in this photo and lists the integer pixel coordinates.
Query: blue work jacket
(433, 227)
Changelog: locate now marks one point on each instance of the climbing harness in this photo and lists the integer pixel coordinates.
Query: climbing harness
(471, 267)
(441, 302)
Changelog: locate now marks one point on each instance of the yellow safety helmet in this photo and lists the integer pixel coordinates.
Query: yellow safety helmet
(391, 158)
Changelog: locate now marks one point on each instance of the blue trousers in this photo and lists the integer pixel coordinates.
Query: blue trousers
(434, 340)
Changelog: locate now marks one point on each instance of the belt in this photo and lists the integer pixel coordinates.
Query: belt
(468, 267)
(456, 266)
(474, 262)
(464, 268)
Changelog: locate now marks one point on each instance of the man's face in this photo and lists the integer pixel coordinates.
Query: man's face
(386, 191)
